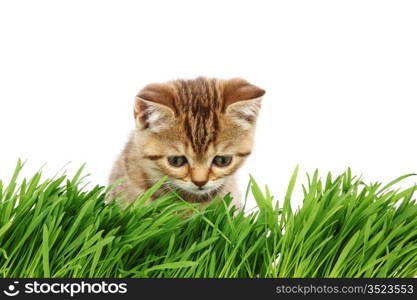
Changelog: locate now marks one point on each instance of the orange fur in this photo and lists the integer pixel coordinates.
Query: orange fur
(198, 119)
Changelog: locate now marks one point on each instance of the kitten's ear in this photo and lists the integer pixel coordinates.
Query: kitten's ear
(153, 107)
(242, 100)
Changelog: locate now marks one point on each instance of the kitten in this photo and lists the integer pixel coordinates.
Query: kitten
(197, 132)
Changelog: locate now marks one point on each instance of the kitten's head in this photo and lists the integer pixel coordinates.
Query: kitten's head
(198, 132)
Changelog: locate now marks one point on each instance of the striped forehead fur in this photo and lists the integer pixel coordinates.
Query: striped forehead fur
(199, 103)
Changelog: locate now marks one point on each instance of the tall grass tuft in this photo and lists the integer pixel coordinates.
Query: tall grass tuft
(345, 228)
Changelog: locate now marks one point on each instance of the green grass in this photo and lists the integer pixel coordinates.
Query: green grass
(345, 228)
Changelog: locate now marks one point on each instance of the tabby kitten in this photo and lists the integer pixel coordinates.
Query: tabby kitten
(197, 132)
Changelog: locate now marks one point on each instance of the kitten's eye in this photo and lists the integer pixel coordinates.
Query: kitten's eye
(222, 161)
(177, 161)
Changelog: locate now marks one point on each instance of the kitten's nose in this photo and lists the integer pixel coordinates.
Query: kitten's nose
(199, 183)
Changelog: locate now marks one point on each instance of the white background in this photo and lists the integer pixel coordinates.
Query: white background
(340, 78)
